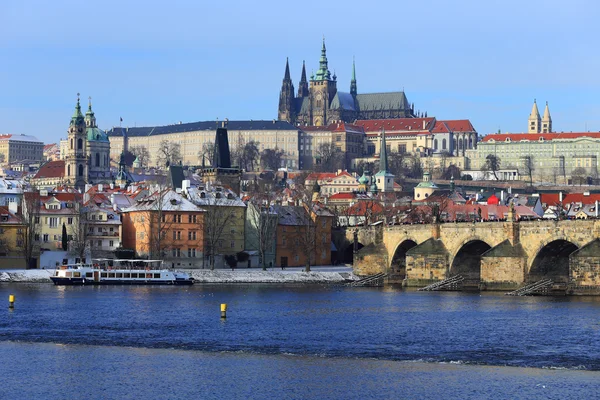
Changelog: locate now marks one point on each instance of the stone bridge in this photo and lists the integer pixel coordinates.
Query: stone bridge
(490, 255)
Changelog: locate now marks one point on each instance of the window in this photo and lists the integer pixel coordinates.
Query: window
(45, 238)
(37, 220)
(192, 235)
(163, 218)
(401, 148)
(70, 220)
(99, 243)
(111, 243)
(191, 253)
(37, 237)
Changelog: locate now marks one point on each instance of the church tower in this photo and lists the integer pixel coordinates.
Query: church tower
(286, 97)
(546, 121)
(353, 89)
(384, 180)
(534, 119)
(322, 90)
(303, 87)
(98, 149)
(75, 160)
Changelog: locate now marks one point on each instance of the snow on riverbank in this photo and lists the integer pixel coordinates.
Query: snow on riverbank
(292, 275)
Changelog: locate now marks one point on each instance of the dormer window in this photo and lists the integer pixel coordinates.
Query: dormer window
(507, 140)
(229, 196)
(218, 195)
(202, 195)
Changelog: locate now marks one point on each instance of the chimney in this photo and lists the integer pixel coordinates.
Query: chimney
(502, 197)
(87, 187)
(560, 197)
(100, 187)
(112, 185)
(586, 193)
(13, 207)
(424, 125)
(185, 185)
(596, 209)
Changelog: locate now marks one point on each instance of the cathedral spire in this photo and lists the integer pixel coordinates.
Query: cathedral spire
(287, 70)
(90, 118)
(303, 87)
(323, 73)
(353, 90)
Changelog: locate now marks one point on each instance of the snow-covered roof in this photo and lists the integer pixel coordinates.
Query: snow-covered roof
(171, 201)
(214, 196)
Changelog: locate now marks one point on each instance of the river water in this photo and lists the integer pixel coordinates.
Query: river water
(294, 342)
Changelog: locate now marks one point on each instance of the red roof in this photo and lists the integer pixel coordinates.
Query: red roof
(552, 199)
(49, 146)
(335, 127)
(516, 137)
(398, 124)
(52, 169)
(342, 196)
(319, 176)
(440, 127)
(362, 208)
(459, 125)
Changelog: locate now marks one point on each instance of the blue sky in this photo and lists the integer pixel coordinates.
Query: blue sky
(190, 60)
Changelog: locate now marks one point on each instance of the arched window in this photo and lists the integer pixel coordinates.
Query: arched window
(97, 159)
(71, 144)
(79, 144)
(470, 142)
(435, 144)
(459, 144)
(443, 144)
(68, 170)
(80, 168)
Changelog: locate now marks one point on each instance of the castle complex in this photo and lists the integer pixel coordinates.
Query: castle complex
(319, 102)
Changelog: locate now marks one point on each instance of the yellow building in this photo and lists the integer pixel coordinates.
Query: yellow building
(11, 238)
(16, 148)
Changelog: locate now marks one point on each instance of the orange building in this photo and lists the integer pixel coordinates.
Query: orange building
(166, 226)
(302, 237)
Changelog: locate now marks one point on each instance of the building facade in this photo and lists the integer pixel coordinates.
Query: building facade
(318, 101)
(192, 137)
(18, 148)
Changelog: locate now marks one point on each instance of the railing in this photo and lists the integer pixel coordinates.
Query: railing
(452, 283)
(539, 287)
(372, 280)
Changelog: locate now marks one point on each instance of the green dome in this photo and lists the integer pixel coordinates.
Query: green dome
(96, 134)
(363, 180)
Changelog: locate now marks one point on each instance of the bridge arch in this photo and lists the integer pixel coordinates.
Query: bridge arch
(398, 260)
(551, 260)
(467, 260)
(347, 255)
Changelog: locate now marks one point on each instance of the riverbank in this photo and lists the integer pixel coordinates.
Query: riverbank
(318, 274)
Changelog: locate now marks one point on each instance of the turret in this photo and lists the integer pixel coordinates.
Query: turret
(90, 118)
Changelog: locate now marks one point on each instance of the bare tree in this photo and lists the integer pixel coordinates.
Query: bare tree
(168, 153)
(329, 158)
(142, 154)
(264, 223)
(205, 154)
(30, 219)
(216, 220)
(271, 158)
(579, 176)
(492, 164)
(529, 167)
(80, 234)
(396, 163)
(250, 154)
(415, 170)
(444, 155)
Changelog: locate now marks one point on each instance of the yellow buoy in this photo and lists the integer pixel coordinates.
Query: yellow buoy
(223, 310)
(11, 301)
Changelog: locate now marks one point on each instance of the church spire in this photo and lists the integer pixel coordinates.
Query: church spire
(323, 73)
(534, 119)
(353, 90)
(303, 87)
(383, 162)
(546, 120)
(90, 118)
(77, 115)
(286, 96)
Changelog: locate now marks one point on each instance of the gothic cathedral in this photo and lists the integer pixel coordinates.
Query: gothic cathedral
(88, 154)
(319, 102)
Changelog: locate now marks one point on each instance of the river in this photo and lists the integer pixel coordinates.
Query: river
(294, 342)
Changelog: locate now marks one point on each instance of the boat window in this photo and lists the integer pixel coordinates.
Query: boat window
(126, 275)
(77, 274)
(111, 274)
(68, 274)
(134, 275)
(56, 273)
(103, 274)
(156, 276)
(148, 276)
(119, 275)
(89, 274)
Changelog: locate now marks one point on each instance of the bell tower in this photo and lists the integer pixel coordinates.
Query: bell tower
(322, 90)
(76, 168)
(534, 119)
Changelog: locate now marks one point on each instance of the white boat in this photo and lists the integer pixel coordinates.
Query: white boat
(119, 272)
